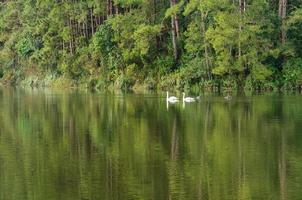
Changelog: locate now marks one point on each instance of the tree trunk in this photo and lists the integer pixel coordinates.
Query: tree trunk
(154, 12)
(282, 16)
(91, 19)
(84, 30)
(176, 21)
(242, 8)
(71, 37)
(206, 53)
(174, 39)
(174, 26)
(116, 9)
(109, 8)
(240, 29)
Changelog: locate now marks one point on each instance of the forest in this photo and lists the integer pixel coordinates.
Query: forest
(154, 44)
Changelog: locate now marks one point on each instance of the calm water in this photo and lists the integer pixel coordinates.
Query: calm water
(68, 145)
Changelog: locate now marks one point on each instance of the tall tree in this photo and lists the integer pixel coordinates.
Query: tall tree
(282, 16)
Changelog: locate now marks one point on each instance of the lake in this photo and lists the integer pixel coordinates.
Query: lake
(80, 145)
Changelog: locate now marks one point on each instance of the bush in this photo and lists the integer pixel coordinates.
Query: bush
(150, 83)
(12, 77)
(124, 82)
(209, 85)
(26, 45)
(169, 82)
(104, 50)
(292, 73)
(229, 84)
(164, 65)
(192, 72)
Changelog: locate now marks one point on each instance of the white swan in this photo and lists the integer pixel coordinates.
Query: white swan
(171, 99)
(228, 97)
(187, 99)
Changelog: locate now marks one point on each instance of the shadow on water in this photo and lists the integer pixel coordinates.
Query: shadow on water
(81, 145)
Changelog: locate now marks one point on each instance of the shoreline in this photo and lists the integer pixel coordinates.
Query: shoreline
(62, 82)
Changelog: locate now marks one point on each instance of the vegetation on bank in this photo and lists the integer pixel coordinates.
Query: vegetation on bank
(210, 44)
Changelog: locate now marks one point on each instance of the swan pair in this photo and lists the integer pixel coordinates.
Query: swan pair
(173, 99)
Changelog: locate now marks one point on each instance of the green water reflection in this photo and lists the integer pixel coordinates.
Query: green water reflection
(59, 145)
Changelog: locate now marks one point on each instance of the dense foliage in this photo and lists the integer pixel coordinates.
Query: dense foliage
(251, 44)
